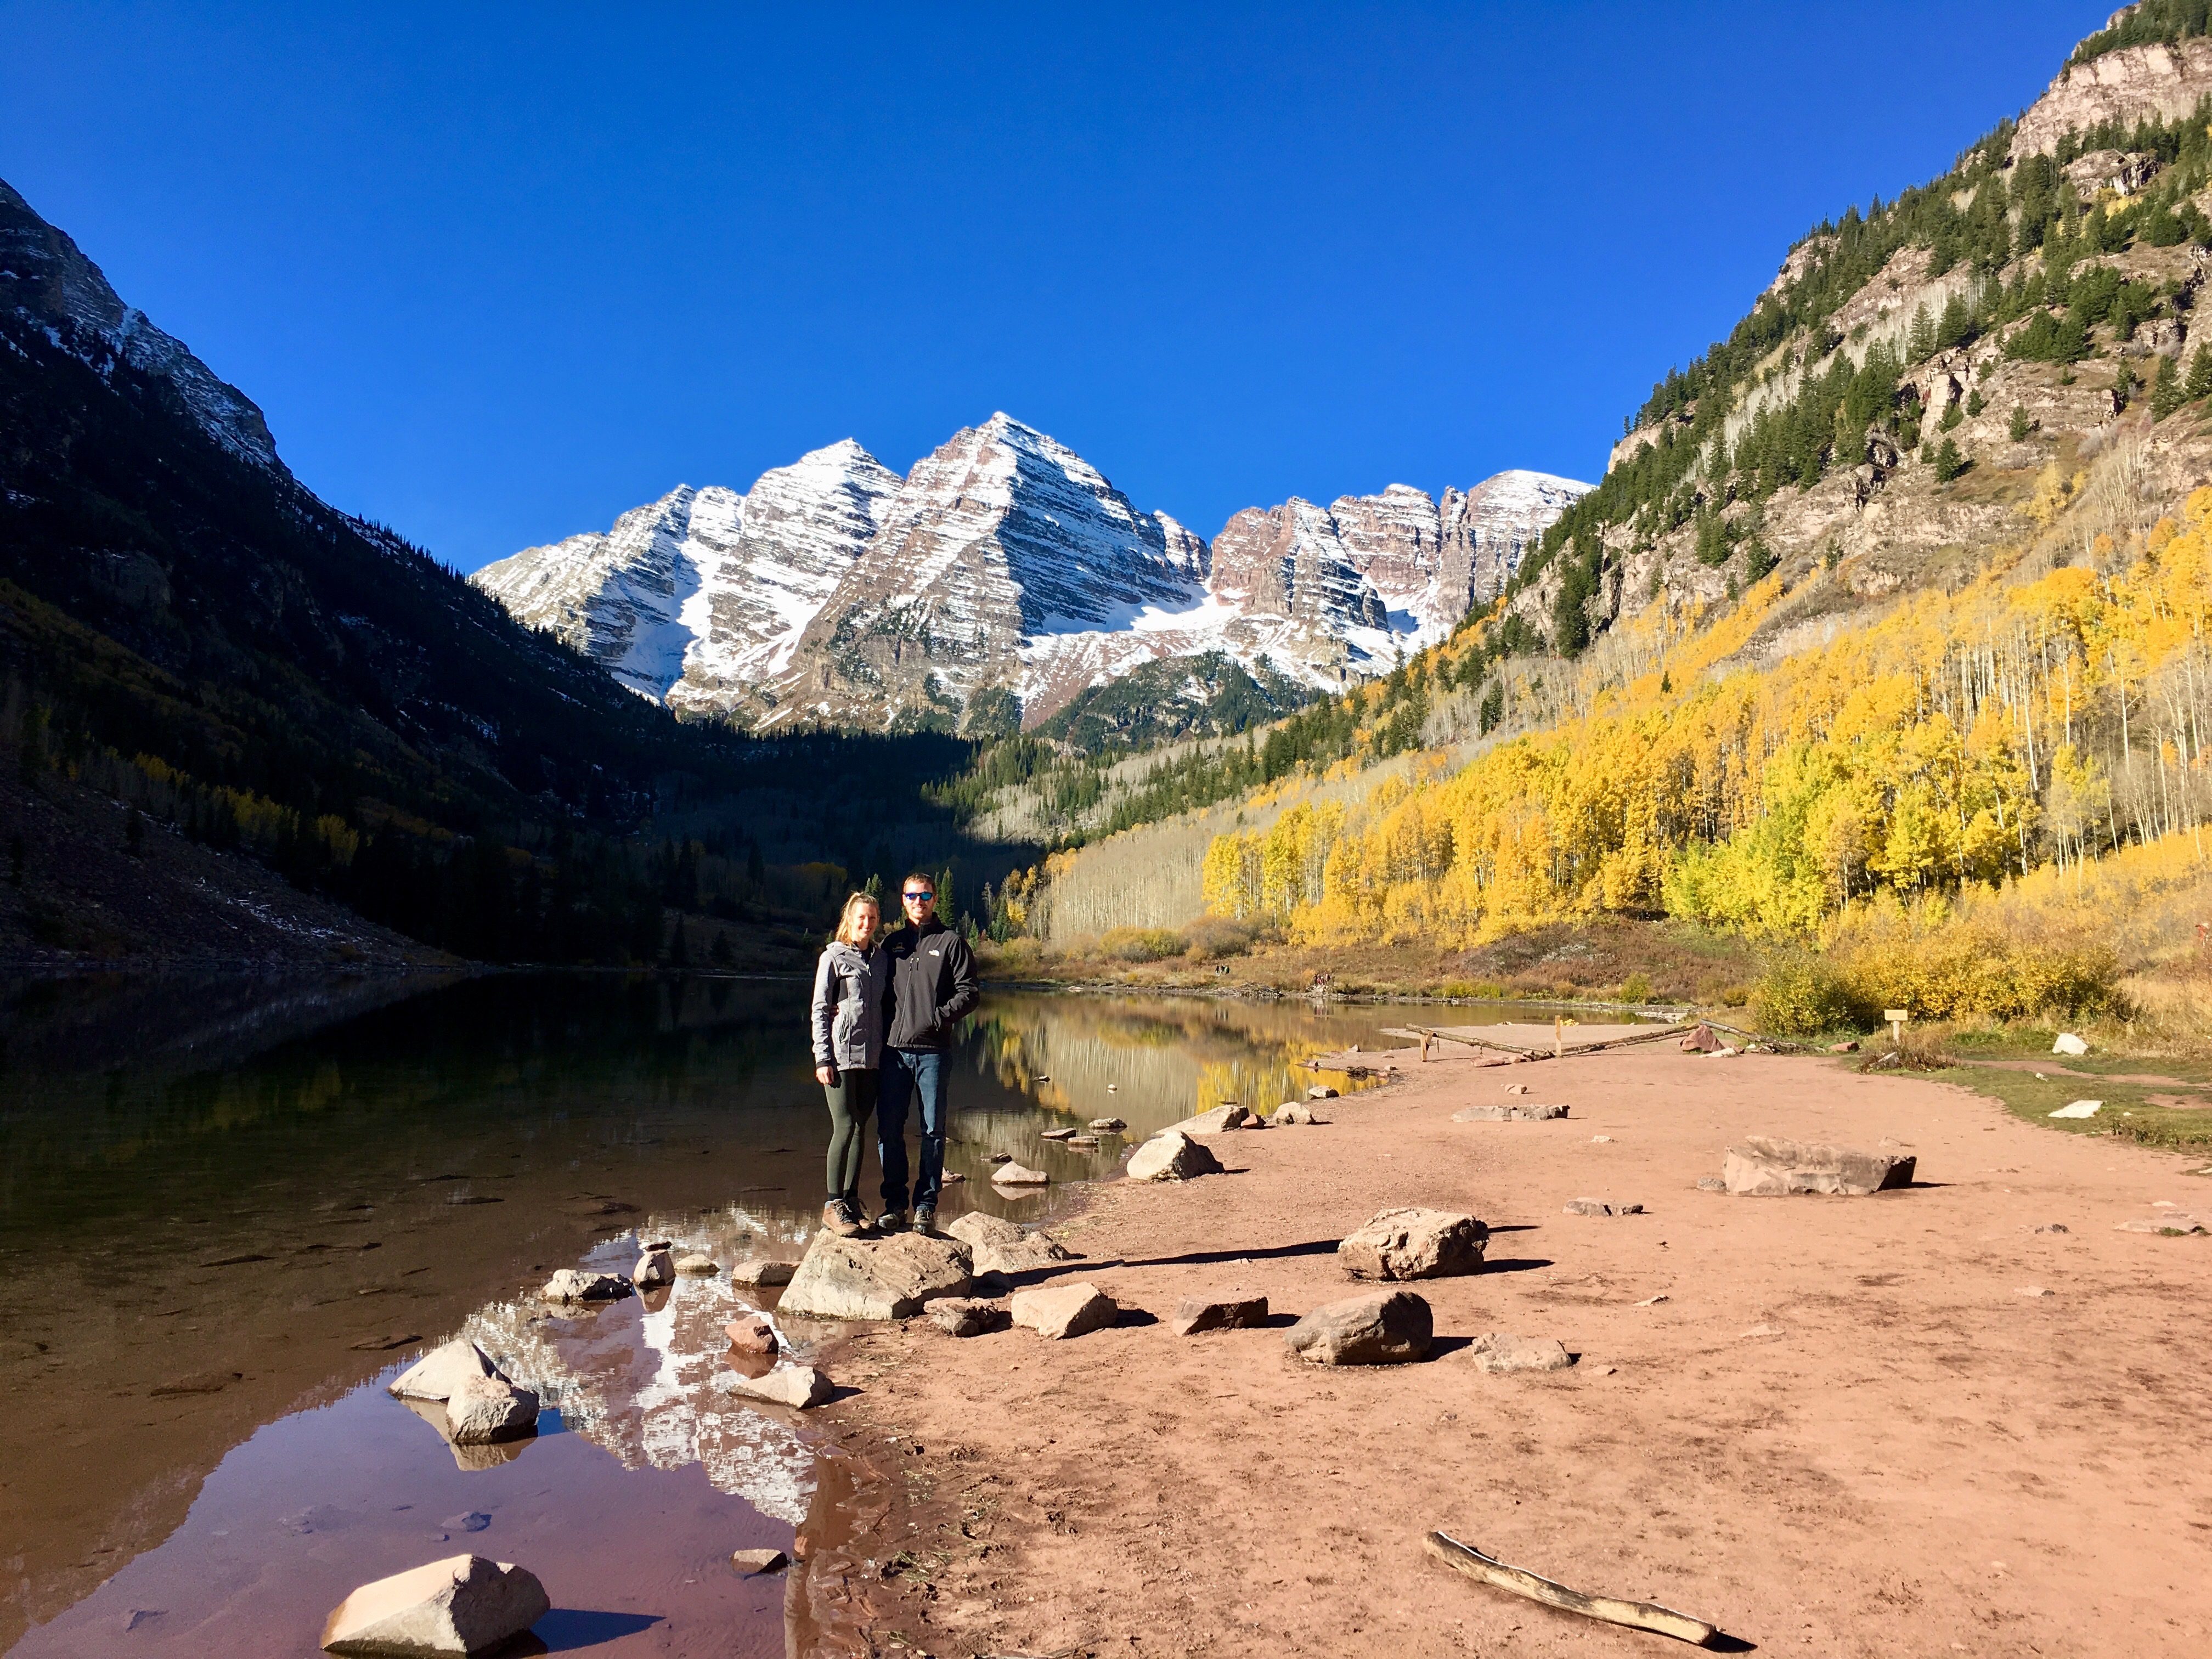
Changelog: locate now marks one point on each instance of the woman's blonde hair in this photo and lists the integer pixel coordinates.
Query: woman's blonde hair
(846, 923)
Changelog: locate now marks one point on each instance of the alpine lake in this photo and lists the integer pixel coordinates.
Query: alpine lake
(232, 1210)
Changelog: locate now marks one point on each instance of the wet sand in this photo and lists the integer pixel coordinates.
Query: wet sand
(1845, 1427)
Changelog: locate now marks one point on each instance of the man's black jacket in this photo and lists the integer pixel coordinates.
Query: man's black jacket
(929, 982)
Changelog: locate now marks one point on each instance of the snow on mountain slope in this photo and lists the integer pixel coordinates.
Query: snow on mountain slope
(705, 590)
(45, 276)
(1003, 576)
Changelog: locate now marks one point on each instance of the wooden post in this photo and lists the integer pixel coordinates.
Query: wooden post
(1558, 1034)
(1896, 1017)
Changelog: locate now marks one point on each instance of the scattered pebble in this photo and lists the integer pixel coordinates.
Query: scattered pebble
(1602, 1141)
(1654, 1301)
(2030, 1290)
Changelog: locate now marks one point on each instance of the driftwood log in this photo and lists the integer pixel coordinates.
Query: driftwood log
(1429, 1033)
(1637, 1615)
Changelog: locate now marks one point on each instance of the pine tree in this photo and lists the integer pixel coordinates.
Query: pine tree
(2200, 375)
(2020, 426)
(1948, 462)
(1921, 343)
(2165, 389)
(2124, 385)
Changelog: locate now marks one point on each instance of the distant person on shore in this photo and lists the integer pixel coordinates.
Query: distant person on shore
(928, 978)
(849, 1048)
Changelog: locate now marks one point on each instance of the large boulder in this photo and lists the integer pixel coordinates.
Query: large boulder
(797, 1385)
(1064, 1311)
(1390, 1328)
(483, 1410)
(750, 1334)
(1226, 1117)
(876, 1278)
(1016, 1174)
(1415, 1244)
(1763, 1167)
(1290, 1112)
(1000, 1247)
(440, 1374)
(574, 1284)
(1172, 1155)
(464, 1604)
(655, 1267)
(761, 1273)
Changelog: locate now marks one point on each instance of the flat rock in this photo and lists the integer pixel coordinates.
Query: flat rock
(1056, 1134)
(753, 1563)
(751, 1334)
(2068, 1044)
(483, 1410)
(1013, 1175)
(876, 1279)
(1415, 1243)
(574, 1284)
(463, 1604)
(697, 1264)
(1000, 1247)
(999, 1157)
(966, 1316)
(761, 1272)
(1500, 1352)
(1108, 1125)
(2169, 1221)
(1388, 1328)
(1711, 1184)
(438, 1373)
(1516, 1088)
(1764, 1167)
(1321, 1092)
(1080, 1141)
(796, 1386)
(1599, 1206)
(1064, 1311)
(1512, 1112)
(1172, 1155)
(1228, 1312)
(2079, 1109)
(1223, 1117)
(1291, 1113)
(654, 1268)
(1848, 1046)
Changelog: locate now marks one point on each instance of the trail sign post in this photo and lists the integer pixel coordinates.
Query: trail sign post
(1897, 1017)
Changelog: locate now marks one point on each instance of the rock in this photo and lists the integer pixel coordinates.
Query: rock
(1226, 1117)
(1702, 1041)
(1000, 1247)
(438, 1373)
(1081, 1141)
(2068, 1044)
(751, 1334)
(1056, 1134)
(486, 1409)
(1108, 1125)
(999, 1157)
(2079, 1108)
(1600, 1140)
(2169, 1221)
(1711, 1184)
(1414, 1244)
(697, 1264)
(654, 1268)
(2051, 1227)
(1761, 1333)
(2030, 1290)
(1290, 1112)
(876, 1279)
(1849, 1047)
(1499, 1352)
(953, 1177)
(469, 1520)
(753, 1563)
(1514, 1114)
(464, 1604)
(572, 1285)
(1321, 1092)
(1230, 1312)
(1064, 1311)
(1598, 1207)
(797, 1385)
(1013, 1175)
(763, 1272)
(1516, 1088)
(966, 1316)
(1390, 1328)
(1172, 1155)
(1764, 1167)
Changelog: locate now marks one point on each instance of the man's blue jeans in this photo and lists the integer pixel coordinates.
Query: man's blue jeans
(911, 1072)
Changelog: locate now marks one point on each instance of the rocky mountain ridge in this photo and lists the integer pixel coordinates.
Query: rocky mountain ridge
(1004, 576)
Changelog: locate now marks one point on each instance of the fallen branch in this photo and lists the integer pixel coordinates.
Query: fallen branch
(1651, 1035)
(1637, 1615)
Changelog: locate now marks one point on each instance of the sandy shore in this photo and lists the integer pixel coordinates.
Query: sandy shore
(1844, 1426)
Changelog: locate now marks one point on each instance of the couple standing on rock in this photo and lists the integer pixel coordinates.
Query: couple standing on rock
(883, 1022)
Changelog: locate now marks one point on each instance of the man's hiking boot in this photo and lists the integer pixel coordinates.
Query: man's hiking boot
(892, 1221)
(925, 1219)
(835, 1220)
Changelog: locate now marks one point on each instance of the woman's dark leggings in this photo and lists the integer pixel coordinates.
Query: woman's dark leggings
(851, 1114)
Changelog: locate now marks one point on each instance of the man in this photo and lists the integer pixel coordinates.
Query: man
(928, 976)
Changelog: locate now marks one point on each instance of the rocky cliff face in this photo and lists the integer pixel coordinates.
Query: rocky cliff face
(2136, 83)
(45, 277)
(1001, 578)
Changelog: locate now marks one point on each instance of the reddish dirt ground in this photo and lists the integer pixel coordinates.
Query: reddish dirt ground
(1844, 1430)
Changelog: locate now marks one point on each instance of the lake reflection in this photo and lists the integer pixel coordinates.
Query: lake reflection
(228, 1209)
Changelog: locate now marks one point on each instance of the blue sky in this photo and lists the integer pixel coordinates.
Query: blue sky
(497, 274)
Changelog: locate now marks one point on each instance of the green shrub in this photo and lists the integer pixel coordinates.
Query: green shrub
(1803, 995)
(1141, 943)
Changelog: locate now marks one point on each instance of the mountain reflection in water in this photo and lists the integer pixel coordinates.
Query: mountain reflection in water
(224, 1222)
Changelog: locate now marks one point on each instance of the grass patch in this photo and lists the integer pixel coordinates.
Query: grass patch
(2128, 1114)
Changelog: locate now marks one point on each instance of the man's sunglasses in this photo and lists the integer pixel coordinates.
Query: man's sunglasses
(918, 896)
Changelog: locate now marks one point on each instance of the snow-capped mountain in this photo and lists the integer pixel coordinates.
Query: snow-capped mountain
(1000, 579)
(44, 276)
(704, 590)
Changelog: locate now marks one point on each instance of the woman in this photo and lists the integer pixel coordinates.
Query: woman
(848, 1047)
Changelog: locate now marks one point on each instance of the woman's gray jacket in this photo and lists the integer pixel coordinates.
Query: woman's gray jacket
(848, 1014)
